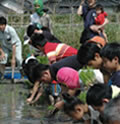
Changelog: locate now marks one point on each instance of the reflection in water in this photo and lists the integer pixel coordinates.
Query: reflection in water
(14, 109)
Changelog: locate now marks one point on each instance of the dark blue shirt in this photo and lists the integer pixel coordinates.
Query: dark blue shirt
(85, 10)
(89, 19)
(115, 79)
(88, 16)
(70, 61)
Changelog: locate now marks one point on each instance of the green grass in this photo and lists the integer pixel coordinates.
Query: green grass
(68, 33)
(113, 31)
(71, 35)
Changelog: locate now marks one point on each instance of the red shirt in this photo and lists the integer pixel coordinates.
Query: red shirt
(99, 20)
(57, 51)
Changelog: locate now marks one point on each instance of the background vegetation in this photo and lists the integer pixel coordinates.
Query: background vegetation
(68, 28)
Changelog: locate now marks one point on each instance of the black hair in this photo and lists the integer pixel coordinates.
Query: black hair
(70, 102)
(32, 27)
(87, 52)
(99, 7)
(38, 71)
(110, 51)
(38, 40)
(28, 68)
(3, 20)
(46, 32)
(97, 93)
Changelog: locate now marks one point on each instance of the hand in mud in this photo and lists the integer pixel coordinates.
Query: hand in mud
(52, 113)
(29, 101)
(32, 103)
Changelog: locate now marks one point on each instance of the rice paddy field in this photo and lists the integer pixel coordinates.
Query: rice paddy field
(14, 109)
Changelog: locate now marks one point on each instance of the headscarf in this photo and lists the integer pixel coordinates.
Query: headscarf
(69, 77)
(40, 9)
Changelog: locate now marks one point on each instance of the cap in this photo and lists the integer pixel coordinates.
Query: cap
(98, 39)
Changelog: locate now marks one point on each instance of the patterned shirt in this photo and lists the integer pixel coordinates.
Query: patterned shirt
(57, 51)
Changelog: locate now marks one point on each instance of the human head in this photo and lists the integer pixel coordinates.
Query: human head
(91, 3)
(32, 27)
(89, 54)
(111, 113)
(99, 9)
(38, 40)
(98, 95)
(74, 107)
(27, 65)
(41, 73)
(39, 7)
(3, 23)
(111, 56)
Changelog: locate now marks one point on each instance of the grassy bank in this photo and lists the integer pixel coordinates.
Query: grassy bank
(68, 29)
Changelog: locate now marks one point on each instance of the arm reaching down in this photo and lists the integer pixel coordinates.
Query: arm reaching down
(35, 89)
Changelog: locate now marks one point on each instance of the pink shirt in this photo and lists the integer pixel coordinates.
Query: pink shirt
(69, 77)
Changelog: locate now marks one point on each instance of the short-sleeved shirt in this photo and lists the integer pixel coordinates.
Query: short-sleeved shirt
(99, 20)
(115, 79)
(9, 37)
(71, 62)
(88, 16)
(85, 10)
(57, 51)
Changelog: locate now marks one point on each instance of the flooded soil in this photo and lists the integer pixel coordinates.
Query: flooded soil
(15, 110)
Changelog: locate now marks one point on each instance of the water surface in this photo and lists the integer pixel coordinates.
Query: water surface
(14, 109)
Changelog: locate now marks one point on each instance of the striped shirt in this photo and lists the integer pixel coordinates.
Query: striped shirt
(57, 51)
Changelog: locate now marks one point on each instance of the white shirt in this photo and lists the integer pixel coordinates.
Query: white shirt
(9, 37)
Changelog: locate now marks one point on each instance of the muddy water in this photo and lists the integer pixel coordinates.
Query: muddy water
(14, 110)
